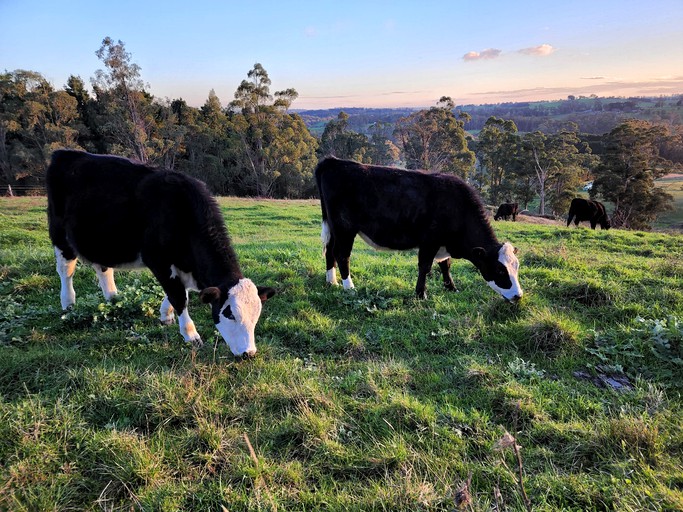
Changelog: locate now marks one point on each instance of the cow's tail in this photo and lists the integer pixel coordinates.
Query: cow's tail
(325, 234)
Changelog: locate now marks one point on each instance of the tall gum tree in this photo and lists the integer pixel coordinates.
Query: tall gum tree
(267, 132)
(630, 164)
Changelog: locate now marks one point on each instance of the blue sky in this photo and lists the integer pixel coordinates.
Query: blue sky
(361, 53)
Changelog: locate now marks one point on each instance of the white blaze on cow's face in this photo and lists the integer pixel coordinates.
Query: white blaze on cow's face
(505, 274)
(237, 317)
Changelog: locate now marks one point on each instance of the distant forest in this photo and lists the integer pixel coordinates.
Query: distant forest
(592, 115)
(536, 153)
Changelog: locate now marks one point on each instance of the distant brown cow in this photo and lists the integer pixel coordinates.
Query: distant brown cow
(506, 210)
(586, 210)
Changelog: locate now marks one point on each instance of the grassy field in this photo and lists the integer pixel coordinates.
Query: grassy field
(358, 400)
(673, 219)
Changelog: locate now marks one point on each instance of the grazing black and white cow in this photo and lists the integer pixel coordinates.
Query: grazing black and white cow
(114, 213)
(587, 210)
(390, 208)
(506, 210)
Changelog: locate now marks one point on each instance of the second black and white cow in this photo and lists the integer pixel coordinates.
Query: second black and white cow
(506, 210)
(390, 208)
(586, 210)
(114, 213)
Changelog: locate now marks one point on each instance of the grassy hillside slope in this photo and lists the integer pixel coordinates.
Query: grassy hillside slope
(358, 400)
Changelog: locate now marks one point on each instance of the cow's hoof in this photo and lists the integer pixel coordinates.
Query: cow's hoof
(197, 343)
(450, 287)
(169, 320)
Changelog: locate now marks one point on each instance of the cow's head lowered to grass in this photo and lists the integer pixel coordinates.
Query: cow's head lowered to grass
(500, 267)
(235, 312)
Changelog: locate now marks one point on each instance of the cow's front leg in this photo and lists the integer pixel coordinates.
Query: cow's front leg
(176, 295)
(425, 258)
(445, 266)
(166, 314)
(105, 276)
(66, 268)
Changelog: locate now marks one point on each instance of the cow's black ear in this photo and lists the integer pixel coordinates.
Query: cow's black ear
(210, 294)
(479, 253)
(265, 292)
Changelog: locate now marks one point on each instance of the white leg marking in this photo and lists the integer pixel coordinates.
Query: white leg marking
(66, 269)
(166, 314)
(106, 279)
(325, 236)
(188, 330)
(332, 276)
(348, 283)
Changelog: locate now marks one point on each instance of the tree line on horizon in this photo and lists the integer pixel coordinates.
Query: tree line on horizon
(257, 146)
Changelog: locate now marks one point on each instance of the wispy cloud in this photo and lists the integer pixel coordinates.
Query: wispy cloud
(592, 78)
(489, 53)
(541, 50)
(311, 31)
(666, 86)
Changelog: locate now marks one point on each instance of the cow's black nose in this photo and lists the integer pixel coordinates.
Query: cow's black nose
(246, 356)
(515, 299)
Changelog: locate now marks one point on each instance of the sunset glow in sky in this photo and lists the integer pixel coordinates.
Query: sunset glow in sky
(361, 53)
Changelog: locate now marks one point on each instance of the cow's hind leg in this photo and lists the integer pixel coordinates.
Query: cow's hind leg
(176, 299)
(425, 258)
(105, 276)
(343, 245)
(328, 251)
(66, 266)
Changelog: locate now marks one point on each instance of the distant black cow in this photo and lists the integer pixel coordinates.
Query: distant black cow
(114, 213)
(586, 210)
(506, 210)
(438, 214)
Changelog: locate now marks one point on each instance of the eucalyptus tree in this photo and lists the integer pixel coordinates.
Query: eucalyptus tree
(34, 119)
(496, 151)
(338, 141)
(556, 159)
(435, 140)
(630, 164)
(271, 138)
(125, 106)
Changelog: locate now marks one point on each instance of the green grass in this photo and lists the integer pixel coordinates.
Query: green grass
(358, 400)
(672, 219)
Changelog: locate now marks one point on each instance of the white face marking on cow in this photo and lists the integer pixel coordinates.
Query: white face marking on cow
(66, 269)
(106, 280)
(441, 255)
(186, 278)
(348, 283)
(507, 258)
(238, 316)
